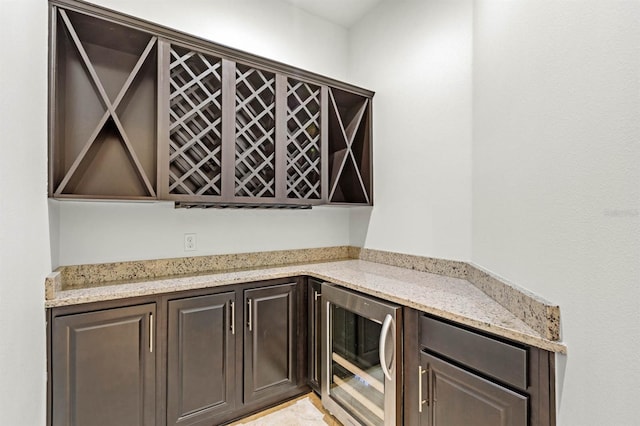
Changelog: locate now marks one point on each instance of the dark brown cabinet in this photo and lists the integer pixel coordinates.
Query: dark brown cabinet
(208, 357)
(270, 341)
(456, 376)
(139, 111)
(201, 370)
(103, 367)
(232, 353)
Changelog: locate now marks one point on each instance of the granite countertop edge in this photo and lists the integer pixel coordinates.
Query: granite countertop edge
(450, 298)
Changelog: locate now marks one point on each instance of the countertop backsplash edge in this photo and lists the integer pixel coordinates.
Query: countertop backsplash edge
(542, 316)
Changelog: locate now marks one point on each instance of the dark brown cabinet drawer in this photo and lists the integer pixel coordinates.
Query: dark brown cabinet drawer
(497, 359)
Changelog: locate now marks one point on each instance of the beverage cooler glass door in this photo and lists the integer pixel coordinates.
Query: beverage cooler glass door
(361, 351)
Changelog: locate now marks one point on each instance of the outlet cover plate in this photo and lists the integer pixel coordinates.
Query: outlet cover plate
(190, 243)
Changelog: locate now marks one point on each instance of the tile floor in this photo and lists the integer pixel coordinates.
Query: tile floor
(306, 410)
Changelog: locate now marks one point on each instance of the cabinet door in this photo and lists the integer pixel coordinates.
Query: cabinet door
(456, 397)
(103, 368)
(200, 359)
(270, 341)
(314, 297)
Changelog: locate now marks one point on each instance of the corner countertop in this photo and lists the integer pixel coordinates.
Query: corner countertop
(451, 298)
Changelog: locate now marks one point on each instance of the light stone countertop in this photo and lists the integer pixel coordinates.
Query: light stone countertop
(446, 297)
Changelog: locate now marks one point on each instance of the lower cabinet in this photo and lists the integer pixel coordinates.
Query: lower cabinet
(103, 367)
(230, 353)
(206, 357)
(455, 376)
(201, 370)
(270, 341)
(453, 396)
(209, 356)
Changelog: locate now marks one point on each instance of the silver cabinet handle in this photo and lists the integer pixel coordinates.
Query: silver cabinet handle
(232, 305)
(250, 314)
(420, 400)
(316, 295)
(326, 354)
(388, 321)
(151, 332)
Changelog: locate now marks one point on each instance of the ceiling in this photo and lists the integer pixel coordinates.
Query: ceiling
(341, 12)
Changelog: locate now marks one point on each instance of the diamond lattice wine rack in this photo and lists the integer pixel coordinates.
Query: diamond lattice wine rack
(303, 141)
(255, 136)
(104, 98)
(138, 111)
(195, 123)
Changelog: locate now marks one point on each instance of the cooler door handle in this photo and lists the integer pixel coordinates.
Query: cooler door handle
(388, 322)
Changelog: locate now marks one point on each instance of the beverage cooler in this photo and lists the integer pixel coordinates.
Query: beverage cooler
(361, 358)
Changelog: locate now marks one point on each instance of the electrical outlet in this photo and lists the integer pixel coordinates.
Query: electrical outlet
(190, 242)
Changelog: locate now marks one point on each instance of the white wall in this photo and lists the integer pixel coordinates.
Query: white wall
(111, 232)
(554, 157)
(104, 232)
(556, 183)
(24, 245)
(417, 55)
(270, 28)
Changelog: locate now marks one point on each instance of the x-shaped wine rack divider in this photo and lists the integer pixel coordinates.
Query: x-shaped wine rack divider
(314, 165)
(193, 140)
(111, 108)
(349, 134)
(243, 127)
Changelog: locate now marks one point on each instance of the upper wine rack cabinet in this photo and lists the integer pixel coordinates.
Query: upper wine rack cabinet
(138, 111)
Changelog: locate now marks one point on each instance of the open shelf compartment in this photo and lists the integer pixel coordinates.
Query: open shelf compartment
(349, 148)
(104, 106)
